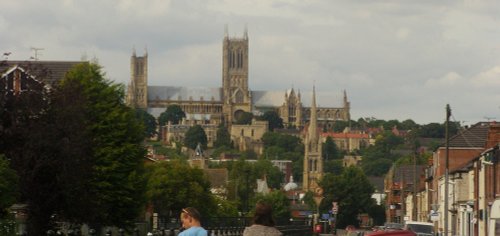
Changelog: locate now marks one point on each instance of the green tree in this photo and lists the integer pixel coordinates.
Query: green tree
(330, 150)
(273, 175)
(377, 167)
(340, 125)
(194, 135)
(333, 166)
(351, 190)
(223, 139)
(278, 200)
(112, 193)
(8, 186)
(274, 120)
(244, 118)
(148, 121)
(174, 185)
(173, 113)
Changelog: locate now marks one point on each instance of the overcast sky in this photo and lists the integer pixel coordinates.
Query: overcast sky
(396, 59)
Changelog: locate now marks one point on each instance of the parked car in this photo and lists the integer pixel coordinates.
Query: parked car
(420, 228)
(391, 233)
(393, 226)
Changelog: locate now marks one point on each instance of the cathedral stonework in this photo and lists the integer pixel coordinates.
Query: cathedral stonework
(213, 106)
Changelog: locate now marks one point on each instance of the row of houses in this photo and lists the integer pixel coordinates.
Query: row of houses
(456, 189)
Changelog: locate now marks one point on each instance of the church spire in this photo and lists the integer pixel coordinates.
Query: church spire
(313, 127)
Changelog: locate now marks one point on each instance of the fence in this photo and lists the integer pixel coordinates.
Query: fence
(232, 226)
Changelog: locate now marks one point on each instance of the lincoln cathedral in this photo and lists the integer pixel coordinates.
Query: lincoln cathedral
(213, 106)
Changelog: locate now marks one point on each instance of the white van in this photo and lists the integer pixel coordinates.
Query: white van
(494, 224)
(420, 228)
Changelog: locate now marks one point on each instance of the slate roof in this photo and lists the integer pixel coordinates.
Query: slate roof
(473, 137)
(48, 71)
(217, 177)
(377, 182)
(405, 172)
(184, 93)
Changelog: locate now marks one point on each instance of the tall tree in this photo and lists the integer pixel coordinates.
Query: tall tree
(352, 191)
(330, 150)
(195, 135)
(173, 113)
(278, 200)
(112, 191)
(8, 186)
(274, 120)
(223, 139)
(174, 185)
(148, 120)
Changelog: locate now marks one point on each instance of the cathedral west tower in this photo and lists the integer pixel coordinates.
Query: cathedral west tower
(236, 96)
(137, 95)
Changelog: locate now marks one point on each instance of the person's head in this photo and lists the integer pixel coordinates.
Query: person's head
(190, 217)
(263, 214)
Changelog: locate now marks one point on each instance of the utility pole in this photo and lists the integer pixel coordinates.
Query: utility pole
(414, 209)
(447, 163)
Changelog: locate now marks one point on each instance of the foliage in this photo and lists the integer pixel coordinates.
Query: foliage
(387, 141)
(84, 118)
(8, 186)
(173, 113)
(351, 190)
(244, 118)
(148, 121)
(333, 166)
(377, 167)
(275, 121)
(285, 147)
(174, 185)
(330, 150)
(223, 138)
(195, 135)
(284, 141)
(436, 130)
(340, 125)
(309, 200)
(242, 181)
(278, 200)
(112, 148)
(225, 208)
(273, 175)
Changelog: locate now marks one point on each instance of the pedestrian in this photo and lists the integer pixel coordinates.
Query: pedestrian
(263, 222)
(190, 218)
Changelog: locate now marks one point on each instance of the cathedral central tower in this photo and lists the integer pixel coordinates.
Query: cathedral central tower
(236, 96)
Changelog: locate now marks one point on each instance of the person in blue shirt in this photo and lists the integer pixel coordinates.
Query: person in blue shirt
(190, 218)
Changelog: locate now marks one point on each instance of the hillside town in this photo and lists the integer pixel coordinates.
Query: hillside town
(270, 151)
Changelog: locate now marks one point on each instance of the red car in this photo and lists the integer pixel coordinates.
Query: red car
(392, 233)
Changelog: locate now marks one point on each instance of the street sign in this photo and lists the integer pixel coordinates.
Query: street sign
(335, 208)
(434, 216)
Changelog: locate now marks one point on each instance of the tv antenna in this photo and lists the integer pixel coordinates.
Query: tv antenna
(34, 49)
(489, 118)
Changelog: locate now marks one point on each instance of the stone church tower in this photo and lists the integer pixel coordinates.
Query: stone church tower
(313, 160)
(291, 110)
(137, 94)
(236, 96)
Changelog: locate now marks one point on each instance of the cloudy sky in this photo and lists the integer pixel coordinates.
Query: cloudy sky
(396, 59)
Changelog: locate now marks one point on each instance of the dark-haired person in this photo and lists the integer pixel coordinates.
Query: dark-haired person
(190, 218)
(263, 222)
